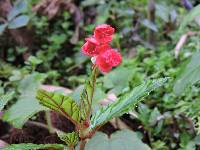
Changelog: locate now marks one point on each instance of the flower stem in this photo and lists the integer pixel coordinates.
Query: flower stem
(82, 145)
(71, 147)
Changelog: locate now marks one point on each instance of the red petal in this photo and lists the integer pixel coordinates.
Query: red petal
(108, 59)
(103, 48)
(103, 66)
(92, 40)
(89, 49)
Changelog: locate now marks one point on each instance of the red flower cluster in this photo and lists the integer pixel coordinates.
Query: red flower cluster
(98, 46)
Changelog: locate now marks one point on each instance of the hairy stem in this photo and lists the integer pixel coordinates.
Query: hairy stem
(93, 90)
(71, 147)
(82, 145)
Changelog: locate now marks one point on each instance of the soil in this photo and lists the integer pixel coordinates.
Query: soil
(34, 134)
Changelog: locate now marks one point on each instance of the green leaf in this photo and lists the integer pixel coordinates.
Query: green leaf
(150, 25)
(162, 11)
(195, 12)
(121, 140)
(2, 28)
(70, 139)
(87, 95)
(18, 22)
(191, 75)
(118, 79)
(125, 103)
(87, 3)
(60, 103)
(26, 106)
(33, 60)
(18, 8)
(29, 146)
(103, 12)
(5, 98)
(154, 116)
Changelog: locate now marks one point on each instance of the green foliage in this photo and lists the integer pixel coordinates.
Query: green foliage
(60, 103)
(29, 146)
(32, 63)
(166, 12)
(125, 103)
(190, 75)
(2, 28)
(5, 98)
(26, 106)
(18, 22)
(195, 12)
(92, 2)
(150, 25)
(117, 83)
(15, 18)
(19, 7)
(125, 139)
(70, 139)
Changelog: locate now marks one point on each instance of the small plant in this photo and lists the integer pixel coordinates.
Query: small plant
(104, 58)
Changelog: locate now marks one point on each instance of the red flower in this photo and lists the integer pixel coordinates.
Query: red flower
(103, 33)
(108, 59)
(89, 48)
(98, 47)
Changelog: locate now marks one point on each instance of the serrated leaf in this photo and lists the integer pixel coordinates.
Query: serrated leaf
(27, 105)
(125, 103)
(2, 28)
(195, 12)
(87, 95)
(120, 140)
(60, 103)
(191, 75)
(68, 138)
(18, 22)
(5, 98)
(30, 146)
(18, 8)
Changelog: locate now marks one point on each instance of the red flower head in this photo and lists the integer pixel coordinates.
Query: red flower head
(98, 47)
(89, 48)
(110, 58)
(103, 33)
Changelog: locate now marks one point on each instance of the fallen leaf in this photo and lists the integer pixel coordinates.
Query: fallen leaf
(52, 88)
(3, 144)
(182, 41)
(111, 97)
